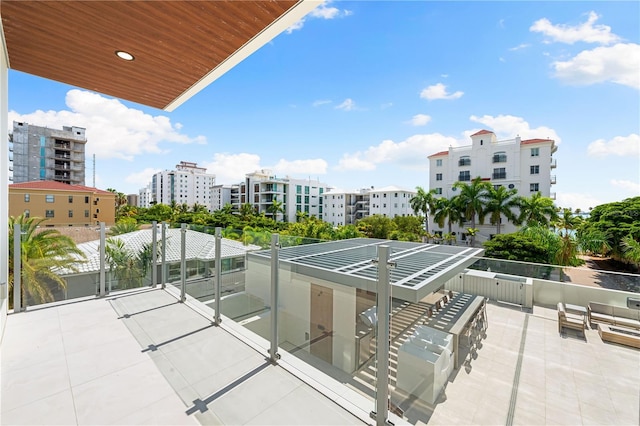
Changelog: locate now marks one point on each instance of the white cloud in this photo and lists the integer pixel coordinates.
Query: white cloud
(410, 153)
(620, 145)
(439, 91)
(632, 187)
(316, 166)
(519, 47)
(509, 126)
(586, 32)
(575, 200)
(141, 178)
(386, 105)
(420, 119)
(323, 11)
(320, 102)
(232, 168)
(619, 64)
(347, 105)
(113, 129)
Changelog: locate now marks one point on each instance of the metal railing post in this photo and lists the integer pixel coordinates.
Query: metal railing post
(183, 262)
(154, 253)
(17, 268)
(218, 269)
(383, 304)
(275, 248)
(163, 271)
(102, 260)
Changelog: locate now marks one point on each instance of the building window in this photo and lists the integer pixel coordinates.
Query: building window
(27, 213)
(86, 200)
(70, 213)
(70, 198)
(535, 152)
(500, 173)
(534, 187)
(49, 213)
(439, 162)
(500, 157)
(49, 198)
(464, 176)
(86, 213)
(27, 198)
(464, 161)
(306, 199)
(439, 191)
(306, 189)
(438, 176)
(298, 189)
(535, 170)
(299, 199)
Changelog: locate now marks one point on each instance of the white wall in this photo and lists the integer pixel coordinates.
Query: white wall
(4, 184)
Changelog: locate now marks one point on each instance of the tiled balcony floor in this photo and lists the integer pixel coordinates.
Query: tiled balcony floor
(143, 358)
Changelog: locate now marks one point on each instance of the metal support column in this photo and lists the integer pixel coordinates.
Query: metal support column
(154, 253)
(17, 268)
(102, 260)
(183, 262)
(218, 269)
(275, 249)
(383, 307)
(163, 271)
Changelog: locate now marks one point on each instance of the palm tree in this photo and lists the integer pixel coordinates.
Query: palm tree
(247, 210)
(423, 202)
(124, 227)
(447, 209)
(500, 202)
(567, 222)
(631, 249)
(125, 265)
(199, 208)
(536, 210)
(471, 200)
(43, 252)
(275, 207)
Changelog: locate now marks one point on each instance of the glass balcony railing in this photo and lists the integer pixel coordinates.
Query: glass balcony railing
(356, 315)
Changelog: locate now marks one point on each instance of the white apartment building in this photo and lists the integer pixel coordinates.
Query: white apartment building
(221, 196)
(187, 184)
(347, 207)
(262, 187)
(525, 165)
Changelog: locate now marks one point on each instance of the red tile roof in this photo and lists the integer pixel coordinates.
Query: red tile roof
(439, 153)
(535, 141)
(482, 132)
(56, 186)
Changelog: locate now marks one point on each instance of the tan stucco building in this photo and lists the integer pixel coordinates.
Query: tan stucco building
(62, 204)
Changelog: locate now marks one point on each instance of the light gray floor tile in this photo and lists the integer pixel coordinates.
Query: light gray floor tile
(166, 411)
(56, 409)
(116, 395)
(23, 386)
(307, 404)
(96, 361)
(254, 396)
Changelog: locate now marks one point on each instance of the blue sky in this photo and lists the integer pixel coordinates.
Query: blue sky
(360, 93)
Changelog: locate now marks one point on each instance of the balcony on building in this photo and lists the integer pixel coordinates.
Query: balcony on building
(464, 161)
(552, 180)
(554, 163)
(499, 175)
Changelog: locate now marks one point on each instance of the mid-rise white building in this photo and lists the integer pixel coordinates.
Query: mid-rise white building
(525, 165)
(262, 188)
(187, 184)
(347, 207)
(221, 196)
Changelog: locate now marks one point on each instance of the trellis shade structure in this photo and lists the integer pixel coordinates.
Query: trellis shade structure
(177, 47)
(420, 269)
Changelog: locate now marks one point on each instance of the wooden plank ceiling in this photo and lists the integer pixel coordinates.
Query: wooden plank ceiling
(175, 43)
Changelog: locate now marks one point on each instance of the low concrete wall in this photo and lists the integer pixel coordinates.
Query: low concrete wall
(549, 293)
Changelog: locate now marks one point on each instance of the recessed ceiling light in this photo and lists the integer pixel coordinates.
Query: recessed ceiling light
(124, 55)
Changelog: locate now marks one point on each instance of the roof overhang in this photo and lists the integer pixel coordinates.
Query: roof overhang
(179, 46)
